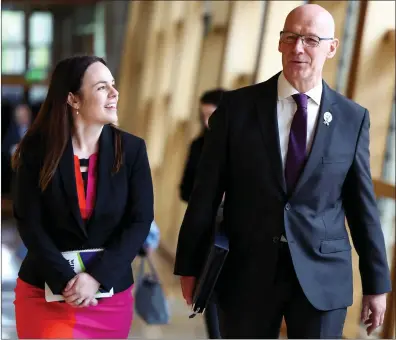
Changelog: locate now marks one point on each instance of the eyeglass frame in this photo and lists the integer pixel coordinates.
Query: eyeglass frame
(302, 36)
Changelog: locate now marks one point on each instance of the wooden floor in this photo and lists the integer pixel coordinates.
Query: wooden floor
(180, 327)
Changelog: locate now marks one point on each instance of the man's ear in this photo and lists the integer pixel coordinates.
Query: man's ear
(73, 101)
(333, 48)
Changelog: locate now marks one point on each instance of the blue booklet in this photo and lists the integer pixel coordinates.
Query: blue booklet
(78, 260)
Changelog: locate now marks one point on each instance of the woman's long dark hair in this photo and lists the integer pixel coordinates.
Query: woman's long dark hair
(54, 121)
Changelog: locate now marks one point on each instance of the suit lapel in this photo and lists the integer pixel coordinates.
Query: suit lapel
(266, 103)
(66, 167)
(321, 139)
(104, 167)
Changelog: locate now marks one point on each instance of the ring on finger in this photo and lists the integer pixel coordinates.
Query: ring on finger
(79, 301)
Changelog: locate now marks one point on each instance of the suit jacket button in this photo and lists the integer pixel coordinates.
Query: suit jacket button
(275, 239)
(287, 206)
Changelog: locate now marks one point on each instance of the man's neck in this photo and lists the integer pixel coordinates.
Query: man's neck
(304, 86)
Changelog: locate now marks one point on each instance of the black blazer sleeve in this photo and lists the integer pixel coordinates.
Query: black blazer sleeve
(187, 182)
(199, 221)
(125, 245)
(190, 170)
(363, 218)
(27, 211)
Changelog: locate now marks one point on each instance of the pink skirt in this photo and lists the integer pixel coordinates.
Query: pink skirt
(38, 319)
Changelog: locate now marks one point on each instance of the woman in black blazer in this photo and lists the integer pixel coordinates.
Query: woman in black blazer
(81, 183)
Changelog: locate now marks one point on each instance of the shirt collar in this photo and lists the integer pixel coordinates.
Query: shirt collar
(286, 90)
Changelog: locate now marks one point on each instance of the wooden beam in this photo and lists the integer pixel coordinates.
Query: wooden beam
(45, 3)
(211, 60)
(357, 50)
(242, 43)
(20, 80)
(372, 82)
(390, 36)
(338, 9)
(132, 69)
(270, 59)
(383, 189)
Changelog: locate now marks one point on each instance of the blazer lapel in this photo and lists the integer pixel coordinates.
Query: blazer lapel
(322, 137)
(104, 168)
(66, 167)
(267, 116)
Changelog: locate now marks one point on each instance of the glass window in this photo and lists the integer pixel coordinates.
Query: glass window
(12, 93)
(40, 28)
(37, 93)
(39, 57)
(348, 44)
(13, 60)
(12, 27)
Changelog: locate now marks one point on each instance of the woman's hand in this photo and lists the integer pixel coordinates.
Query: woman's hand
(80, 291)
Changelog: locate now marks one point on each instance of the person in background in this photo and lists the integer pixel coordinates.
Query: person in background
(292, 157)
(207, 105)
(152, 241)
(81, 183)
(21, 122)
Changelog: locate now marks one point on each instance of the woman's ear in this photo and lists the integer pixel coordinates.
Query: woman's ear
(72, 100)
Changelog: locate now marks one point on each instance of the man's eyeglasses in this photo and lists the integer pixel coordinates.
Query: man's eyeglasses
(308, 40)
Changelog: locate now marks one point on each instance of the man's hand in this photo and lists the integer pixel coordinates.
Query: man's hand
(373, 311)
(80, 291)
(187, 285)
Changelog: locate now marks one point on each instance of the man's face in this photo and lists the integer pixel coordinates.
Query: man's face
(300, 61)
(206, 111)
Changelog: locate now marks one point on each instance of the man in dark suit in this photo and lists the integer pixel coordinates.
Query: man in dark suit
(292, 156)
(208, 103)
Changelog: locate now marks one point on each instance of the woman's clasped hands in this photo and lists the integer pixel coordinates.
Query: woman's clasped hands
(80, 290)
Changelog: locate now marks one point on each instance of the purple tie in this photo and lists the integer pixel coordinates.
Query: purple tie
(296, 153)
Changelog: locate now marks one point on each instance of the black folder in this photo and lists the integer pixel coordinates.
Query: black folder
(210, 273)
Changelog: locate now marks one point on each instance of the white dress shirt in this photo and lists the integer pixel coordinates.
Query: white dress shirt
(287, 107)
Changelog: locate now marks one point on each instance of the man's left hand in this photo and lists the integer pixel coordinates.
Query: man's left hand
(373, 311)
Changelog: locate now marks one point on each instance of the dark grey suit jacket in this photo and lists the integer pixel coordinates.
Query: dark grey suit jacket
(241, 157)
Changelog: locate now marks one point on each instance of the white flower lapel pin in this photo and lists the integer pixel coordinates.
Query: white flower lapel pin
(327, 118)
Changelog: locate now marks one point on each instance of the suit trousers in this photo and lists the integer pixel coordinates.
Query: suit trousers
(287, 300)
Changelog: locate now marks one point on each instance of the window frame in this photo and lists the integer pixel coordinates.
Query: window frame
(20, 79)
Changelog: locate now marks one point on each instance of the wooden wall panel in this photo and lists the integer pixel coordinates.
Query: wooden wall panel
(270, 59)
(187, 63)
(130, 75)
(374, 84)
(211, 61)
(168, 188)
(167, 81)
(338, 9)
(242, 45)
